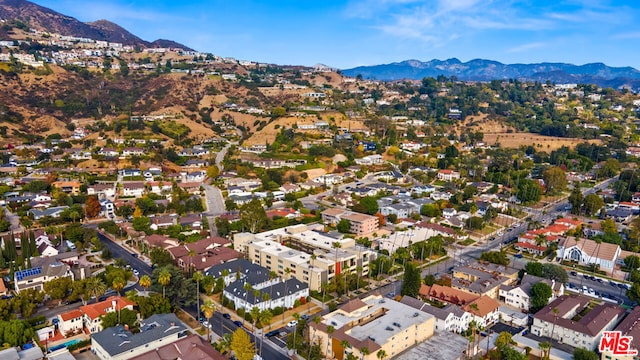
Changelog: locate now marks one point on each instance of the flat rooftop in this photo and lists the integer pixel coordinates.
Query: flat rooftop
(389, 318)
(441, 346)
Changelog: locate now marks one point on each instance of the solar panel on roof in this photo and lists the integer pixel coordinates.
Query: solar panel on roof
(20, 275)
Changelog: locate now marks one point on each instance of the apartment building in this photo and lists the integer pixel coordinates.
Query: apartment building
(305, 253)
(483, 278)
(630, 326)
(373, 323)
(361, 224)
(576, 322)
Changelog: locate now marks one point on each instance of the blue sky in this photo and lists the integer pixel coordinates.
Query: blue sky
(350, 33)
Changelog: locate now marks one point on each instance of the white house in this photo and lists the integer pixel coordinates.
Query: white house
(133, 189)
(448, 175)
(520, 296)
(280, 294)
(448, 319)
(585, 252)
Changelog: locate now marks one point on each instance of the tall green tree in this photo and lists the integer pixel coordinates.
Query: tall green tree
(411, 281)
(592, 204)
(253, 216)
(242, 346)
(584, 354)
(576, 199)
(555, 180)
(540, 294)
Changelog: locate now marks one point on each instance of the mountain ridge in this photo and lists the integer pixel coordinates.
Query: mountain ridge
(44, 19)
(486, 70)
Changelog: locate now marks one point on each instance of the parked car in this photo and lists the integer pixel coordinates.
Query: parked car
(238, 323)
(226, 316)
(292, 323)
(272, 333)
(305, 317)
(573, 273)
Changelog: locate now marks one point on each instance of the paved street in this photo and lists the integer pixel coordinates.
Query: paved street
(14, 219)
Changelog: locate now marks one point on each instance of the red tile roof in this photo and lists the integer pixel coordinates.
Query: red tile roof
(73, 314)
(96, 310)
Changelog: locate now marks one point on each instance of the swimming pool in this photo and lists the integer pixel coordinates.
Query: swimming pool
(67, 344)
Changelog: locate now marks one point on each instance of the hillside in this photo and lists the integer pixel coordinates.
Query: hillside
(44, 19)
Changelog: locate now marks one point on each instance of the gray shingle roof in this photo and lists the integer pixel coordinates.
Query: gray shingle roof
(116, 340)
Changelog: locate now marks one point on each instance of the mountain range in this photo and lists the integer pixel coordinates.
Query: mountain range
(44, 19)
(486, 70)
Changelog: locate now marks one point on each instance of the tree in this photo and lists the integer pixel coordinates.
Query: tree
(127, 317)
(529, 191)
(96, 287)
(411, 281)
(504, 340)
(540, 294)
(153, 304)
(253, 216)
(576, 199)
(533, 268)
(592, 204)
(197, 277)
(145, 282)
(495, 257)
(58, 288)
(584, 354)
(213, 172)
(164, 278)
(555, 180)
(118, 284)
(209, 308)
(545, 347)
(554, 272)
(632, 262)
(344, 226)
(141, 224)
(179, 290)
(160, 257)
(242, 346)
(381, 354)
(634, 292)
(92, 207)
(367, 205)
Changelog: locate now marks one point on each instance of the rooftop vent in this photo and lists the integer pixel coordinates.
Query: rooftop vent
(415, 314)
(389, 328)
(396, 324)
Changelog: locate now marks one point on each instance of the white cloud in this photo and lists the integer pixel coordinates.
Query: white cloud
(527, 47)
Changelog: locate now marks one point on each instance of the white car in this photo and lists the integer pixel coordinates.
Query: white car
(292, 323)
(136, 272)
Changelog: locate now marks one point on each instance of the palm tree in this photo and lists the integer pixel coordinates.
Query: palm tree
(247, 288)
(330, 331)
(555, 318)
(266, 297)
(296, 316)
(381, 354)
(145, 282)
(345, 345)
(164, 278)
(197, 277)
(364, 351)
(118, 284)
(265, 317)
(96, 287)
(191, 253)
(209, 308)
(545, 348)
(255, 314)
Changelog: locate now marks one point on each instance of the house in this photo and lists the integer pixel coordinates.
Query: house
(53, 212)
(35, 277)
(446, 294)
(191, 346)
(484, 310)
(448, 175)
(196, 176)
(586, 251)
(102, 190)
(93, 311)
(288, 213)
(69, 187)
(191, 222)
(628, 327)
(520, 296)
(47, 250)
(203, 254)
(133, 189)
(163, 221)
(483, 278)
(132, 151)
(118, 343)
(450, 318)
(107, 209)
(571, 320)
(266, 295)
(108, 152)
(70, 321)
(370, 160)
(401, 210)
(373, 323)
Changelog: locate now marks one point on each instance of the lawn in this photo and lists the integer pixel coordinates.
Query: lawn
(466, 242)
